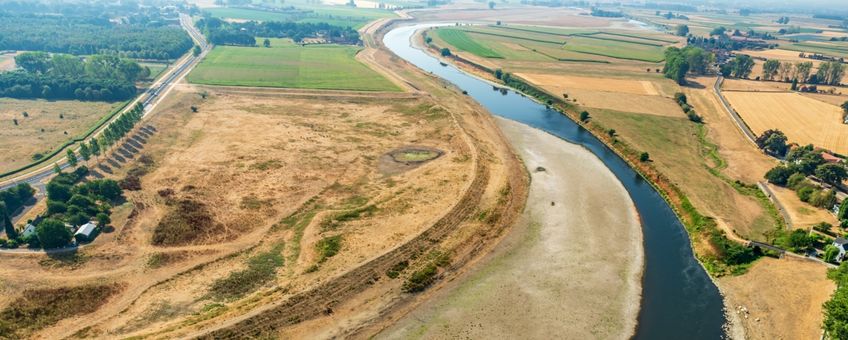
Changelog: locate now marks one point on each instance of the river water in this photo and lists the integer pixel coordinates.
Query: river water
(678, 298)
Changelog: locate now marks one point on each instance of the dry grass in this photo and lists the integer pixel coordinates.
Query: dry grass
(783, 298)
(803, 120)
(39, 308)
(20, 143)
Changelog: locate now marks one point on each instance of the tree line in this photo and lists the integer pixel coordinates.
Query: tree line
(63, 76)
(85, 36)
(243, 34)
(828, 73)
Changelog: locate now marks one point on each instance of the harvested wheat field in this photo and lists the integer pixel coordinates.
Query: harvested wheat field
(803, 120)
(754, 85)
(782, 297)
(641, 96)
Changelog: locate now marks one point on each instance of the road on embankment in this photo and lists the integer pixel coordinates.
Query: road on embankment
(149, 98)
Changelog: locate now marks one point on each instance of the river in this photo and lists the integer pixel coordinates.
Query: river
(678, 297)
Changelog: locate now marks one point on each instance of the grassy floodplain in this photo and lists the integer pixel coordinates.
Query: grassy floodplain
(548, 43)
(331, 67)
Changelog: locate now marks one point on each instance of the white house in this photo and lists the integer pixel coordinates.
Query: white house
(29, 230)
(85, 232)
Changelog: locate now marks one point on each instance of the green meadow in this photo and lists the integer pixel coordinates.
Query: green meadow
(287, 65)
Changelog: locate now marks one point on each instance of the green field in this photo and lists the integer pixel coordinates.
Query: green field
(619, 49)
(286, 65)
(463, 42)
(528, 43)
(823, 48)
(155, 69)
(334, 15)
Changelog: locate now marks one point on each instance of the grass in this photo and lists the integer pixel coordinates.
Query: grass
(155, 69)
(261, 268)
(462, 41)
(328, 247)
(331, 67)
(36, 309)
(618, 49)
(415, 155)
(186, 222)
(823, 48)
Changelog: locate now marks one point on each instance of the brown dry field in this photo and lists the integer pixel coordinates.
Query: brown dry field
(803, 120)
(253, 159)
(803, 215)
(753, 85)
(832, 99)
(20, 143)
(783, 298)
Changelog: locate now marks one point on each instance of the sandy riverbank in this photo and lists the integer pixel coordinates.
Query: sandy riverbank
(572, 268)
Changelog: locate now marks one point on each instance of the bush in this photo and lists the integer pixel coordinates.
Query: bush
(680, 98)
(795, 180)
(260, 269)
(805, 192)
(584, 116)
(823, 199)
(328, 247)
(420, 279)
(779, 175)
(644, 157)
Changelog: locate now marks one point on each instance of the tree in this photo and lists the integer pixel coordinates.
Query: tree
(584, 116)
(491, 5)
(266, 43)
(831, 173)
(85, 153)
(830, 253)
(843, 210)
(682, 30)
(103, 220)
(644, 157)
(772, 141)
(196, 50)
(802, 71)
(72, 157)
(835, 321)
(611, 132)
(11, 233)
(56, 169)
(742, 66)
(718, 31)
(446, 52)
(94, 147)
(770, 69)
(52, 233)
(676, 65)
(779, 175)
(499, 74)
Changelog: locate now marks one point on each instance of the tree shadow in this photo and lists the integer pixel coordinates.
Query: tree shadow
(124, 153)
(129, 147)
(693, 85)
(104, 168)
(94, 173)
(113, 163)
(138, 140)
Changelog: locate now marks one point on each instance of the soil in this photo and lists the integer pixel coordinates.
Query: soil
(515, 295)
(393, 162)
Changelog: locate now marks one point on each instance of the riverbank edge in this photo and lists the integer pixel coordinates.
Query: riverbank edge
(625, 152)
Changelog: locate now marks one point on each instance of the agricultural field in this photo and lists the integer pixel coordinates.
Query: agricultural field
(804, 120)
(555, 44)
(284, 65)
(49, 124)
(7, 61)
(334, 15)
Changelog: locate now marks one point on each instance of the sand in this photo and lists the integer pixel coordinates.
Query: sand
(554, 273)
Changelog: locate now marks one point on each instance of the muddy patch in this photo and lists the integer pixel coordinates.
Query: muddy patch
(407, 158)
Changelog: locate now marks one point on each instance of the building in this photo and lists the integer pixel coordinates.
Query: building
(29, 230)
(85, 233)
(829, 158)
(842, 244)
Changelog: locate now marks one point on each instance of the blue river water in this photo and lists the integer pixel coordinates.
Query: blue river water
(678, 298)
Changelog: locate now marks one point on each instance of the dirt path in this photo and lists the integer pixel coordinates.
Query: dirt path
(555, 274)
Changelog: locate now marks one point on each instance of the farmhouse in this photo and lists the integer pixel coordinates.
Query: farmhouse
(85, 232)
(842, 244)
(829, 158)
(29, 230)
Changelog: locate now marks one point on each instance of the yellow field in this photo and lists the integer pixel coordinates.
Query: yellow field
(804, 120)
(626, 95)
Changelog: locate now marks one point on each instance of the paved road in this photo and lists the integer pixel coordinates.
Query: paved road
(149, 99)
(736, 119)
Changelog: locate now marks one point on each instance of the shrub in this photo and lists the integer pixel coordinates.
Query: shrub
(823, 199)
(795, 180)
(644, 157)
(680, 98)
(584, 116)
(395, 271)
(805, 192)
(420, 279)
(328, 247)
(261, 268)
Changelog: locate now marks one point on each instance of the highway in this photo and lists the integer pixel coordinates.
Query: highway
(149, 98)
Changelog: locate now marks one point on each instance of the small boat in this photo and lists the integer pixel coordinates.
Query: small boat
(443, 63)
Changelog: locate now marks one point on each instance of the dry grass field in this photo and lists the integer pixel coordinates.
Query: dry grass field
(263, 196)
(49, 124)
(529, 15)
(628, 95)
(803, 120)
(783, 298)
(7, 61)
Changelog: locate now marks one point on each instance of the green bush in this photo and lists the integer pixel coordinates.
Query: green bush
(420, 279)
(261, 268)
(795, 179)
(805, 192)
(328, 247)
